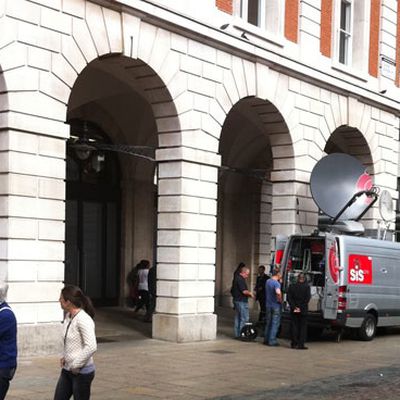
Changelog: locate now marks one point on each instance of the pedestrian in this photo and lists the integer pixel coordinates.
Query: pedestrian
(299, 295)
(143, 285)
(8, 342)
(235, 273)
(241, 294)
(238, 268)
(77, 366)
(259, 288)
(273, 308)
(152, 283)
(132, 281)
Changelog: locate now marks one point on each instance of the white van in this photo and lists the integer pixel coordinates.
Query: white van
(355, 281)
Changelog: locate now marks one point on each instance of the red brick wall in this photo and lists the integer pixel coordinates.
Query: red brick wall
(224, 5)
(292, 20)
(326, 28)
(373, 64)
(398, 46)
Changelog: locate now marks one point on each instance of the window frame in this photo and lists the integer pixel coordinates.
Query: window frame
(358, 42)
(270, 18)
(347, 32)
(243, 12)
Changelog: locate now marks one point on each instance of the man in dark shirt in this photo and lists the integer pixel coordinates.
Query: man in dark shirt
(260, 291)
(240, 294)
(8, 342)
(298, 297)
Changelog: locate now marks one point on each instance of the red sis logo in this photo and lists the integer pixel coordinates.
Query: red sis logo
(360, 269)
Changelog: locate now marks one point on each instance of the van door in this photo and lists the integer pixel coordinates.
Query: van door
(280, 244)
(331, 290)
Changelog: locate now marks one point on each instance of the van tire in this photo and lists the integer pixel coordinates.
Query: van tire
(367, 331)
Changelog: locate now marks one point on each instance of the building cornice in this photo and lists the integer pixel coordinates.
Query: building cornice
(236, 45)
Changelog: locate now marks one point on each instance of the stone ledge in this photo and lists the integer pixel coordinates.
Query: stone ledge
(185, 328)
(31, 340)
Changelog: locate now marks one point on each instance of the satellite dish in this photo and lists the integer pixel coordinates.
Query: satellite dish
(386, 206)
(335, 180)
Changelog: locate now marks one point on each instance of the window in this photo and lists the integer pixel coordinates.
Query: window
(251, 10)
(264, 14)
(352, 27)
(345, 32)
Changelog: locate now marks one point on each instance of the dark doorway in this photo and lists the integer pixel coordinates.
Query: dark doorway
(92, 232)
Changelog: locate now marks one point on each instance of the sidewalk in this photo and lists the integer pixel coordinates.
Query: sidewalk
(132, 366)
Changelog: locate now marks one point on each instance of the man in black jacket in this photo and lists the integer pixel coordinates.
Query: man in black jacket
(298, 297)
(262, 277)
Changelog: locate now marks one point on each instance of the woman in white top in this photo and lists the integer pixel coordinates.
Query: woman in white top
(143, 285)
(79, 338)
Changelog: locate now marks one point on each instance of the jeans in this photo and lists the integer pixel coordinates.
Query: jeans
(70, 384)
(6, 374)
(241, 315)
(273, 320)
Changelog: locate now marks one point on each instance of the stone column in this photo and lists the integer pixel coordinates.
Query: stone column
(32, 234)
(293, 209)
(187, 184)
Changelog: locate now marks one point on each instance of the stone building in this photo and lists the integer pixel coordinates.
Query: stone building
(179, 131)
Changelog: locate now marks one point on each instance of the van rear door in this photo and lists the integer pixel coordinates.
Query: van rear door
(331, 290)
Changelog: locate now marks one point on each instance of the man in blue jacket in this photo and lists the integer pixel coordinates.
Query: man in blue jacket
(8, 342)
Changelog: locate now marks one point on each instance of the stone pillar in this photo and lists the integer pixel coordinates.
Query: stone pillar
(32, 234)
(293, 209)
(187, 184)
(263, 240)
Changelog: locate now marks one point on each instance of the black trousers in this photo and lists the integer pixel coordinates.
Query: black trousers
(298, 329)
(143, 300)
(6, 374)
(70, 384)
(261, 316)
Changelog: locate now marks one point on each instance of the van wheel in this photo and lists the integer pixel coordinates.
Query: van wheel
(367, 330)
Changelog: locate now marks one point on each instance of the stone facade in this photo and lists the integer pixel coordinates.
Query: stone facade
(214, 98)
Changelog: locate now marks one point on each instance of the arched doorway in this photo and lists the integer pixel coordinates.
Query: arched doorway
(251, 135)
(92, 215)
(111, 196)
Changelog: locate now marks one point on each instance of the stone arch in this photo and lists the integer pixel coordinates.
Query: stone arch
(349, 140)
(255, 144)
(122, 95)
(152, 65)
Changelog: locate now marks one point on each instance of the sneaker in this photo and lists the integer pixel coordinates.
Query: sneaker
(274, 344)
(303, 348)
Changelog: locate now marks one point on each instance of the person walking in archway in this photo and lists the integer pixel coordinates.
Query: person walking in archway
(143, 285)
(132, 281)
